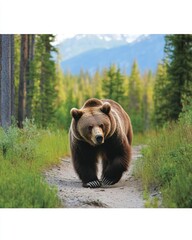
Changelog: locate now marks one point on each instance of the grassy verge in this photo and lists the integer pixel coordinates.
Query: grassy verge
(24, 155)
(167, 165)
(144, 138)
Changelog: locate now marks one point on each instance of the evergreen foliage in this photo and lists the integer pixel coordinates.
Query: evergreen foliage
(113, 84)
(110, 83)
(45, 86)
(134, 94)
(178, 51)
(134, 98)
(34, 84)
(147, 104)
(161, 95)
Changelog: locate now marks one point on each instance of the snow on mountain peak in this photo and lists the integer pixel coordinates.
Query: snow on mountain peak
(126, 38)
(72, 45)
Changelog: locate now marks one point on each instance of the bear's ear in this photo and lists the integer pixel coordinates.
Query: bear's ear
(106, 108)
(76, 113)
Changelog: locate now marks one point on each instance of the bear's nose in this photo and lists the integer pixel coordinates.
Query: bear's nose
(99, 139)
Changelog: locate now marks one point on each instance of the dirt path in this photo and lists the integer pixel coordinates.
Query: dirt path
(127, 193)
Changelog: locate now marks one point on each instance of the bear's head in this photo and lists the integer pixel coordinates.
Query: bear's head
(93, 123)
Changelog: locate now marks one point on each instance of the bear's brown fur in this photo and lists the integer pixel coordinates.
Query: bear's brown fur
(100, 128)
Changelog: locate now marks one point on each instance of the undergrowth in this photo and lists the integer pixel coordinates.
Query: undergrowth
(144, 138)
(166, 164)
(24, 154)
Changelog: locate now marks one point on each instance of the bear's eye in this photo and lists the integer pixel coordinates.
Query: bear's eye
(101, 126)
(90, 127)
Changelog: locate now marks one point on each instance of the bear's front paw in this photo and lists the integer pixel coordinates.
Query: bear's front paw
(106, 181)
(92, 184)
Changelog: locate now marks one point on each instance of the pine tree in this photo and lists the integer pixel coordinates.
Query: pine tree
(161, 95)
(97, 85)
(86, 86)
(178, 51)
(61, 86)
(134, 98)
(70, 102)
(108, 83)
(119, 85)
(47, 80)
(45, 86)
(147, 99)
(134, 93)
(113, 84)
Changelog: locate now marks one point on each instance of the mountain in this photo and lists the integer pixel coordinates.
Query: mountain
(80, 43)
(148, 50)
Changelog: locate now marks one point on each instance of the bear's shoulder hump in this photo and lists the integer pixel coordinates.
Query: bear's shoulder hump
(92, 102)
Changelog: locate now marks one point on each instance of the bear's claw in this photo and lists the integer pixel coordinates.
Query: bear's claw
(92, 184)
(106, 181)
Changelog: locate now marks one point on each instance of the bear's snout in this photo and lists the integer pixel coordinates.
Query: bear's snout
(99, 139)
(97, 135)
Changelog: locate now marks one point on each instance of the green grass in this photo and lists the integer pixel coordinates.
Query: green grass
(167, 165)
(24, 155)
(143, 138)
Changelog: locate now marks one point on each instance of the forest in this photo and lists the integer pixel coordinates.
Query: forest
(35, 102)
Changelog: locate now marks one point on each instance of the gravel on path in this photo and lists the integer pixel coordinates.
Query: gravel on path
(127, 193)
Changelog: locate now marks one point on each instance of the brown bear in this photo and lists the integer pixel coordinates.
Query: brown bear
(100, 128)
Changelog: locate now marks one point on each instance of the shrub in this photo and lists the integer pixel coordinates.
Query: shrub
(25, 154)
(185, 116)
(167, 165)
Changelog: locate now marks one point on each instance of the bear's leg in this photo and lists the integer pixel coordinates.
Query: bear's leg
(84, 160)
(116, 160)
(85, 164)
(113, 172)
(114, 166)
(90, 180)
(87, 173)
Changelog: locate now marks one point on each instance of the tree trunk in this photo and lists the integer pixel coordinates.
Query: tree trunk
(22, 82)
(30, 75)
(7, 75)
